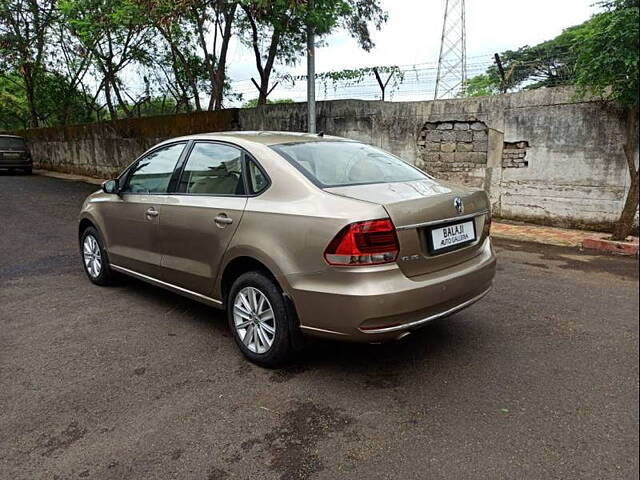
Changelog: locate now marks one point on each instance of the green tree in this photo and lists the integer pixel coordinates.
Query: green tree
(276, 29)
(606, 66)
(547, 64)
(24, 30)
(197, 34)
(14, 111)
(253, 103)
(116, 35)
(482, 85)
(62, 103)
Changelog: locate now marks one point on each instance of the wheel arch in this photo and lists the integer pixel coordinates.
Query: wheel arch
(247, 263)
(239, 265)
(84, 224)
(86, 221)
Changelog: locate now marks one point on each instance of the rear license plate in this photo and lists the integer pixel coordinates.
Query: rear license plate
(451, 236)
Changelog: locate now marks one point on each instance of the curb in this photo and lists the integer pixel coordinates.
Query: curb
(68, 176)
(602, 244)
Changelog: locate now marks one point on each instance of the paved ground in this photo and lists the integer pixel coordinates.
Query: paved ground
(541, 234)
(539, 380)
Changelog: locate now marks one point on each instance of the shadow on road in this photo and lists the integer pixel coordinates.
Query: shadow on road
(426, 344)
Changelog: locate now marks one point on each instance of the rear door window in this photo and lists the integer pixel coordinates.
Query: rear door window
(152, 173)
(213, 169)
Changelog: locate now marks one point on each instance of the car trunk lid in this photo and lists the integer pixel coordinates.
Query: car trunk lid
(417, 208)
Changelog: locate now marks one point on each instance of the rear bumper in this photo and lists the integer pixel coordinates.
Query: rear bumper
(16, 164)
(380, 303)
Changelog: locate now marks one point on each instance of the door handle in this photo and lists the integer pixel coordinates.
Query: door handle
(152, 212)
(222, 219)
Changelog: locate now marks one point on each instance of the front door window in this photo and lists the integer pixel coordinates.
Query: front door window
(152, 173)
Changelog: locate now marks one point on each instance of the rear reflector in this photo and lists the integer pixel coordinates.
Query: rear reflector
(364, 243)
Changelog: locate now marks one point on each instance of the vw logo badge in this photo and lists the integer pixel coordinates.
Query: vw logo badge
(457, 202)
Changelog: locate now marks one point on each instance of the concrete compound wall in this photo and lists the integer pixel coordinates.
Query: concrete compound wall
(541, 155)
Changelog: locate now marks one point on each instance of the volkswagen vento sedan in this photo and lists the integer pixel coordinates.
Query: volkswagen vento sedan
(292, 234)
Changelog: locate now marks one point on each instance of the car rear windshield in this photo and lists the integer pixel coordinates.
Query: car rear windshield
(12, 143)
(333, 164)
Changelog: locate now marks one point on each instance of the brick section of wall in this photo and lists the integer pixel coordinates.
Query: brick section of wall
(514, 155)
(451, 148)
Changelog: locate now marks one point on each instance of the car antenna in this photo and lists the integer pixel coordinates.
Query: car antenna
(321, 134)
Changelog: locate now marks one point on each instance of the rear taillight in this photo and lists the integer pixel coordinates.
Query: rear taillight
(364, 243)
(487, 224)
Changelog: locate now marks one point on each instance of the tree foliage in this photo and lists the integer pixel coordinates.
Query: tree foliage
(126, 57)
(276, 29)
(483, 85)
(253, 103)
(606, 53)
(61, 104)
(354, 76)
(600, 58)
(24, 31)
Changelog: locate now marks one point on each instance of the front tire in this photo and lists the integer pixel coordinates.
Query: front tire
(28, 170)
(94, 257)
(258, 319)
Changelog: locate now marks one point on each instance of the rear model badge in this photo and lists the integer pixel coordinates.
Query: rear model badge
(457, 202)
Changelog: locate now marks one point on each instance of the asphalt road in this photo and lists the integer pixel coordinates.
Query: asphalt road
(539, 380)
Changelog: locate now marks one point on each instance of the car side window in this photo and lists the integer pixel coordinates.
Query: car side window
(213, 169)
(257, 179)
(152, 173)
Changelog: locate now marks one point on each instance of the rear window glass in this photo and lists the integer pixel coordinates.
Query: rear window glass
(11, 143)
(332, 164)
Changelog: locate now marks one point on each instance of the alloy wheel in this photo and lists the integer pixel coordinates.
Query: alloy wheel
(92, 256)
(254, 320)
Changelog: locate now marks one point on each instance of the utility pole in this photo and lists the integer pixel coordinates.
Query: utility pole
(311, 74)
(452, 62)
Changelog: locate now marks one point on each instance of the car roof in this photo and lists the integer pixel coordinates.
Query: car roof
(268, 137)
(10, 136)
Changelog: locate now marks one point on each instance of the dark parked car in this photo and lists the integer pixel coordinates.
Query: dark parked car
(14, 153)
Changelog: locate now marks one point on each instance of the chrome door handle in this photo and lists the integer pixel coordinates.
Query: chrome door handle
(222, 219)
(152, 212)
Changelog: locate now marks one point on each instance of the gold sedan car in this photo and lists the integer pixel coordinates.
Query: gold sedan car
(292, 234)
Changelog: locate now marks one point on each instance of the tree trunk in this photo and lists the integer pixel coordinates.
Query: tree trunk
(217, 92)
(264, 88)
(265, 73)
(29, 86)
(107, 96)
(624, 226)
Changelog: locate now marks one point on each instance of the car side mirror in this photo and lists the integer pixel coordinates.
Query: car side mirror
(111, 186)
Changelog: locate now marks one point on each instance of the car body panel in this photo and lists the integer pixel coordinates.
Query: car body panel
(133, 236)
(415, 207)
(342, 303)
(287, 228)
(193, 244)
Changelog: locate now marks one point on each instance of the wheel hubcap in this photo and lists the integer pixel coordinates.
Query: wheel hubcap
(92, 256)
(254, 320)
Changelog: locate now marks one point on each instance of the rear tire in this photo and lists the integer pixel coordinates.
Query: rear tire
(258, 319)
(94, 257)
(28, 170)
